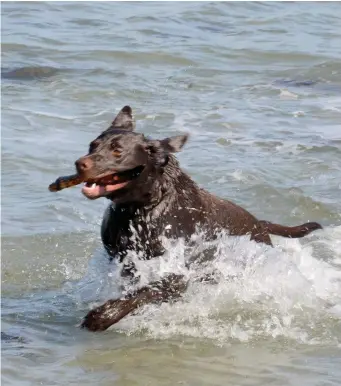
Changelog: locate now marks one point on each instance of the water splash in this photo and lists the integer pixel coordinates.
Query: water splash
(291, 292)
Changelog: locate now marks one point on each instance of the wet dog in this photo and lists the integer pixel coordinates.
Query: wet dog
(152, 196)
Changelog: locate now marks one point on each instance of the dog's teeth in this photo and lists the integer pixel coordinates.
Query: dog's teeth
(93, 185)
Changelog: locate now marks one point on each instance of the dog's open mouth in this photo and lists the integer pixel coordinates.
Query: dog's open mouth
(109, 183)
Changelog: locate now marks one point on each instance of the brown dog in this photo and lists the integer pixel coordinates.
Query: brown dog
(151, 196)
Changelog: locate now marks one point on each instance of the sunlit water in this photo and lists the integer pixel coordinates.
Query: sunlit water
(257, 86)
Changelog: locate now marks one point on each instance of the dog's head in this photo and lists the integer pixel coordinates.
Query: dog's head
(122, 164)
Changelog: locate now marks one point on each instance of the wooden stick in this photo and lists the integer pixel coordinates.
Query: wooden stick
(65, 182)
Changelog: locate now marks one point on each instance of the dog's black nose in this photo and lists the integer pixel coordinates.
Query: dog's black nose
(83, 164)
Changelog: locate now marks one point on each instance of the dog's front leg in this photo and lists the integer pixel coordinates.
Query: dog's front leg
(112, 311)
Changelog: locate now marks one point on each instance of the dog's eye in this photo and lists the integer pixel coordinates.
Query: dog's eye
(93, 146)
(116, 153)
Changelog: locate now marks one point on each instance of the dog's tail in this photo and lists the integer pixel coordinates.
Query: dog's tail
(291, 232)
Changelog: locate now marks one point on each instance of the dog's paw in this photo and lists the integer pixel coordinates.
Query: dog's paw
(111, 312)
(93, 321)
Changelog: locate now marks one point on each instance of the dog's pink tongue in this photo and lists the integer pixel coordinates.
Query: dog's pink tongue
(93, 192)
(96, 191)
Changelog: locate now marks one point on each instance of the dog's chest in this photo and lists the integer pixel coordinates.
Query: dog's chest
(126, 228)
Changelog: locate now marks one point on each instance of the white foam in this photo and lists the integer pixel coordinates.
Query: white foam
(285, 94)
(292, 291)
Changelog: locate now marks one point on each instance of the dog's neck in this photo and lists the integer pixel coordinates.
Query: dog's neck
(172, 184)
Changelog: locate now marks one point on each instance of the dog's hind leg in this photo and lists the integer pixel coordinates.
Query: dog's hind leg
(260, 234)
(169, 288)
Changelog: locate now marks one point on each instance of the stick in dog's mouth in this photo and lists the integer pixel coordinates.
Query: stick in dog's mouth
(110, 179)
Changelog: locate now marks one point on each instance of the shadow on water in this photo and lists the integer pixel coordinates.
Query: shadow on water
(29, 73)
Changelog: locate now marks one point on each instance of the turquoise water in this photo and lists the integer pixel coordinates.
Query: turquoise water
(257, 86)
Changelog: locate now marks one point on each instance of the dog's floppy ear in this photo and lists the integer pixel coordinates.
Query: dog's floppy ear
(174, 144)
(159, 150)
(124, 120)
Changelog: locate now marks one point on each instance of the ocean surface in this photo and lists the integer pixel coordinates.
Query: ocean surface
(258, 88)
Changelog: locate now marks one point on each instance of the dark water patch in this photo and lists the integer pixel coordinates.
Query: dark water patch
(318, 85)
(85, 22)
(269, 145)
(295, 83)
(29, 73)
(7, 338)
(323, 149)
(10, 342)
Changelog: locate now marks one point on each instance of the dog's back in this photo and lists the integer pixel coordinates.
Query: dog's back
(181, 209)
